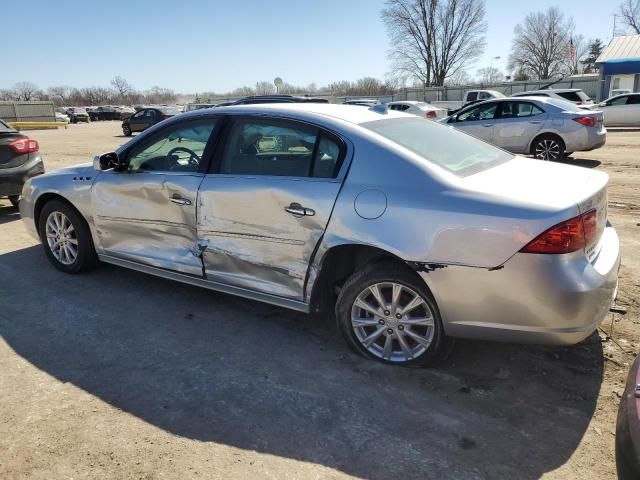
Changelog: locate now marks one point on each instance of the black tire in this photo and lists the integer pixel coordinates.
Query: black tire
(548, 147)
(382, 273)
(15, 200)
(126, 130)
(86, 257)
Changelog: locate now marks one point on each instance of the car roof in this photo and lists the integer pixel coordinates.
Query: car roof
(347, 113)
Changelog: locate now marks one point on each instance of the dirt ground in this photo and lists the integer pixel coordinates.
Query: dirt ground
(114, 374)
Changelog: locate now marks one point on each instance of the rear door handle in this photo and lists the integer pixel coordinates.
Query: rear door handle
(487, 124)
(178, 200)
(535, 122)
(298, 210)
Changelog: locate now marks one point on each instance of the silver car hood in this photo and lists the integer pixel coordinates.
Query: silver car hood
(83, 169)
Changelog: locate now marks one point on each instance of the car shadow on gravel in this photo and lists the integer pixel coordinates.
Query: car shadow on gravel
(8, 213)
(580, 162)
(217, 368)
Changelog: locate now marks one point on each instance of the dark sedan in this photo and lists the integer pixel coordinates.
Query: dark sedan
(19, 160)
(147, 117)
(628, 427)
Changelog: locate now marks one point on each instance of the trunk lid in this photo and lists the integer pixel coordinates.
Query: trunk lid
(547, 186)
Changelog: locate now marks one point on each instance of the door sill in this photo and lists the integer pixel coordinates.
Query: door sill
(209, 284)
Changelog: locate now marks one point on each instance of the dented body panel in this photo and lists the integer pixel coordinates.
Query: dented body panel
(461, 234)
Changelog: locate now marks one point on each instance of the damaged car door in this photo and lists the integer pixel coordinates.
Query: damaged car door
(266, 203)
(145, 212)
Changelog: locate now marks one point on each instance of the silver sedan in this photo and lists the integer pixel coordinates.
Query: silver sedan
(409, 232)
(546, 128)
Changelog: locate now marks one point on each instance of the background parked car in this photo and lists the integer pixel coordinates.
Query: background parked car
(126, 112)
(621, 110)
(421, 109)
(363, 102)
(147, 117)
(628, 427)
(19, 161)
(77, 114)
(61, 117)
(106, 112)
(573, 95)
(529, 125)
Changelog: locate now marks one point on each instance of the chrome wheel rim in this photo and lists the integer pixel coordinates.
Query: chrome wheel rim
(547, 150)
(61, 238)
(392, 321)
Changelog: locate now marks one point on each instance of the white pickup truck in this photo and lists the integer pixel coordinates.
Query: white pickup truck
(470, 96)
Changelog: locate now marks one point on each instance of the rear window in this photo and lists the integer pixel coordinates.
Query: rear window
(444, 146)
(564, 105)
(6, 128)
(571, 96)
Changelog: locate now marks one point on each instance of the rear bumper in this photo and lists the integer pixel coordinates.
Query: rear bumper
(12, 179)
(586, 139)
(548, 299)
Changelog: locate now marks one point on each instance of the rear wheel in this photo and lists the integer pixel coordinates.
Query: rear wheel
(66, 238)
(15, 200)
(126, 130)
(385, 312)
(548, 147)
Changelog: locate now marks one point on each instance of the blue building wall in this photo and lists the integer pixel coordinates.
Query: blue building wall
(619, 66)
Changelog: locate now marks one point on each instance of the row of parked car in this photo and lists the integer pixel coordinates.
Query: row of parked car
(93, 114)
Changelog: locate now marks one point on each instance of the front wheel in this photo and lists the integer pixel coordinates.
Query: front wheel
(66, 238)
(385, 312)
(126, 130)
(548, 147)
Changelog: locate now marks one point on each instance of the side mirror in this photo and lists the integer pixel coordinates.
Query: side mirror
(108, 161)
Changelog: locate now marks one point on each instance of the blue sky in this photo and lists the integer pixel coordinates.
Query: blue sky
(215, 45)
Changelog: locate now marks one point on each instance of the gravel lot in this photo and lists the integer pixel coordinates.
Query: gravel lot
(114, 374)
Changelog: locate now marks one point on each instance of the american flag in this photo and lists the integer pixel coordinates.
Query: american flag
(572, 50)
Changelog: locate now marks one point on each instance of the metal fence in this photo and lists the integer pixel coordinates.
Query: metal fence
(590, 86)
(27, 112)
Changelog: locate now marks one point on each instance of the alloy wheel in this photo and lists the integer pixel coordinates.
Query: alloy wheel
(61, 238)
(392, 321)
(547, 149)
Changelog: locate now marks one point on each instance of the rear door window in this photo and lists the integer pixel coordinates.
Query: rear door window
(472, 96)
(276, 147)
(519, 109)
(482, 112)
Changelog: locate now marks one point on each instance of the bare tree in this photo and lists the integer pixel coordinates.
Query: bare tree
(540, 45)
(490, 75)
(121, 86)
(243, 91)
(7, 94)
(59, 94)
(461, 77)
(629, 10)
(265, 88)
(26, 91)
(433, 39)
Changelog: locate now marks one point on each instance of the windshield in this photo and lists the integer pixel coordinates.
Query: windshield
(444, 146)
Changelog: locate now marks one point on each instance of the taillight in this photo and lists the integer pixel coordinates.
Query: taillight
(24, 145)
(586, 121)
(566, 237)
(431, 114)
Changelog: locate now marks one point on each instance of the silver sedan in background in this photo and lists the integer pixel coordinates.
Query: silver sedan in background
(408, 232)
(546, 128)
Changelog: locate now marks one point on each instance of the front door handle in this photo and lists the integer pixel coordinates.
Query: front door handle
(298, 210)
(535, 122)
(178, 200)
(487, 124)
